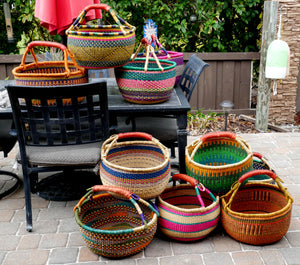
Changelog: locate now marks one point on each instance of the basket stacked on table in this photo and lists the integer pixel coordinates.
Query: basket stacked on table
(101, 46)
(112, 227)
(218, 159)
(187, 212)
(257, 213)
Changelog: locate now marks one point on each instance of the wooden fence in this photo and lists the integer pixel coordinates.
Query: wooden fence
(228, 77)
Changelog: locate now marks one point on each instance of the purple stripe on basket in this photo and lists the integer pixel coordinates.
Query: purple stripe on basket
(187, 228)
(188, 214)
(116, 38)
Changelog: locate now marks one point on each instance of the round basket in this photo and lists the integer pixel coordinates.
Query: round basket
(149, 86)
(49, 73)
(187, 212)
(141, 166)
(218, 159)
(101, 46)
(112, 227)
(257, 213)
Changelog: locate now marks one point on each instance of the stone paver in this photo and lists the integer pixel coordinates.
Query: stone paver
(56, 238)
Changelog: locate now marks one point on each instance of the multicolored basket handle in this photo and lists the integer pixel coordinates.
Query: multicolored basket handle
(112, 141)
(196, 184)
(148, 48)
(235, 187)
(78, 23)
(133, 198)
(60, 46)
(213, 135)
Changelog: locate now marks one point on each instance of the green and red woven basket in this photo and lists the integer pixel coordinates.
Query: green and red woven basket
(218, 159)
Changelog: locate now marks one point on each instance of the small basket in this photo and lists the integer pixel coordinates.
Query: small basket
(49, 73)
(140, 166)
(112, 227)
(218, 159)
(101, 46)
(257, 213)
(259, 162)
(180, 215)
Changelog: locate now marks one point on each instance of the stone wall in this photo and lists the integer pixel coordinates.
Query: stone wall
(282, 109)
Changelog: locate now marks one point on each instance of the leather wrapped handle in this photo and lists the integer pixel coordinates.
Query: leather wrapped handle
(259, 155)
(47, 44)
(253, 173)
(186, 178)
(212, 135)
(142, 135)
(113, 189)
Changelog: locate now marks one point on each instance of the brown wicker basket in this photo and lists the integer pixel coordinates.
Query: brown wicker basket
(257, 213)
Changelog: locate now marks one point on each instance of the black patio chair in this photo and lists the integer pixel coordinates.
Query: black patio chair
(65, 135)
(164, 128)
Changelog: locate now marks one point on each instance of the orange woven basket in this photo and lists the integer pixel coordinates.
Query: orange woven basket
(257, 213)
(49, 73)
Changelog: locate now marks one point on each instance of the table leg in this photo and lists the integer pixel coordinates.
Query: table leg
(182, 140)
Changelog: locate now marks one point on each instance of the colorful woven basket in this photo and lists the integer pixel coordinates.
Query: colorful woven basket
(187, 212)
(257, 213)
(218, 159)
(146, 87)
(112, 227)
(260, 162)
(49, 73)
(141, 166)
(101, 46)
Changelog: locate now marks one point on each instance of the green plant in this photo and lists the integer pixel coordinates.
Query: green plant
(198, 121)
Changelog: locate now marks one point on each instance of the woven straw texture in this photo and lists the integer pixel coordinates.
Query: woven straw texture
(146, 87)
(218, 159)
(101, 46)
(115, 228)
(183, 215)
(257, 213)
(140, 166)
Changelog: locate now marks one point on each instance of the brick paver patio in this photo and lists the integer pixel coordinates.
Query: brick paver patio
(56, 238)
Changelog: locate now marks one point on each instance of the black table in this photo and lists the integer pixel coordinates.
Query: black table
(177, 105)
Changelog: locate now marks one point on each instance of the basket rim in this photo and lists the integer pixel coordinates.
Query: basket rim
(17, 71)
(286, 208)
(151, 223)
(192, 210)
(172, 65)
(199, 142)
(135, 170)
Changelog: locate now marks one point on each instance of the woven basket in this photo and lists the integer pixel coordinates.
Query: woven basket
(187, 212)
(257, 213)
(101, 46)
(112, 227)
(141, 166)
(218, 159)
(259, 162)
(146, 87)
(49, 73)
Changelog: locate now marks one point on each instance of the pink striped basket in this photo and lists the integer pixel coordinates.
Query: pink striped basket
(180, 215)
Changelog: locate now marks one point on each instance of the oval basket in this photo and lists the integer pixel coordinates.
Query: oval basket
(218, 159)
(112, 227)
(256, 213)
(101, 46)
(146, 87)
(187, 212)
(141, 166)
(49, 73)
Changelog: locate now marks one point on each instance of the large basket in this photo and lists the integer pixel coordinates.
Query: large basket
(49, 73)
(101, 46)
(187, 212)
(257, 213)
(218, 159)
(112, 227)
(149, 86)
(141, 166)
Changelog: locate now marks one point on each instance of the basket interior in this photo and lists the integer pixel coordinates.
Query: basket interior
(152, 65)
(136, 156)
(258, 199)
(109, 213)
(220, 152)
(185, 197)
